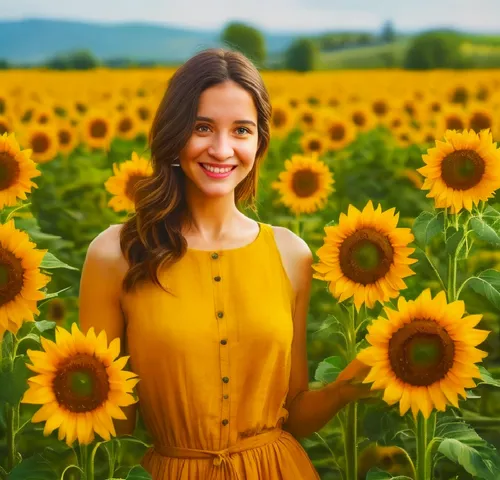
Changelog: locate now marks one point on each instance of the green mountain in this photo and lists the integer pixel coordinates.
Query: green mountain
(35, 40)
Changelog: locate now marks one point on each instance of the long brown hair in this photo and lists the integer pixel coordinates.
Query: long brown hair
(151, 238)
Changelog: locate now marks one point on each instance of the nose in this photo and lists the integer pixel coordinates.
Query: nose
(221, 148)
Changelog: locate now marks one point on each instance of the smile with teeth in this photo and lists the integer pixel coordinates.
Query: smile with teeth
(216, 169)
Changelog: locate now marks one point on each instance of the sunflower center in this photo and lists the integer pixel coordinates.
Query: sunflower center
(435, 107)
(40, 143)
(305, 183)
(421, 352)
(454, 123)
(98, 129)
(64, 137)
(359, 119)
(9, 170)
(337, 132)
(132, 185)
(462, 169)
(3, 128)
(279, 118)
(125, 125)
(43, 118)
(11, 276)
(81, 383)
(308, 118)
(56, 310)
(480, 121)
(380, 108)
(143, 113)
(315, 145)
(366, 256)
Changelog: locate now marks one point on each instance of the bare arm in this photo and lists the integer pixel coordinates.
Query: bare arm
(310, 410)
(99, 300)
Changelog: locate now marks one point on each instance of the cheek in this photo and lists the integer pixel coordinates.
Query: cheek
(193, 147)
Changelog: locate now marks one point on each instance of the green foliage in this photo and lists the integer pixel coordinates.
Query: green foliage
(487, 284)
(461, 444)
(77, 60)
(302, 55)
(246, 39)
(435, 49)
(388, 34)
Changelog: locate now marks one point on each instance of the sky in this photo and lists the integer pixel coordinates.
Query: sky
(271, 15)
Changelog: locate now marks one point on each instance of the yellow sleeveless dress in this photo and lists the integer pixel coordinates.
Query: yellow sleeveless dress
(214, 363)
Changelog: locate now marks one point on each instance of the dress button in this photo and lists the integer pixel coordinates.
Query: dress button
(226, 396)
(223, 342)
(225, 421)
(217, 278)
(220, 314)
(215, 256)
(225, 379)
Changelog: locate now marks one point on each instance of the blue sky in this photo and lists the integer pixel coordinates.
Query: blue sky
(276, 15)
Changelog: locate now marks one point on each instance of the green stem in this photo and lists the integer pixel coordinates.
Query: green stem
(3, 474)
(84, 461)
(296, 226)
(443, 286)
(334, 457)
(422, 473)
(351, 431)
(11, 443)
(90, 471)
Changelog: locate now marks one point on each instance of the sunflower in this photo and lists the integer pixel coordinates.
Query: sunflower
(127, 126)
(67, 136)
(305, 184)
(365, 256)
(282, 119)
(123, 183)
(308, 117)
(462, 170)
(43, 142)
(313, 142)
(80, 385)
(361, 117)
(16, 171)
(56, 310)
(97, 129)
(424, 355)
(452, 118)
(480, 118)
(380, 107)
(5, 124)
(339, 132)
(20, 278)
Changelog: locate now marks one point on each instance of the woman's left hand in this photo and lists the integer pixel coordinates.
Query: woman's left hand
(351, 379)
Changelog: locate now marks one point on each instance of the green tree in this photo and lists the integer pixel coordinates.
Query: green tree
(77, 60)
(246, 39)
(388, 34)
(302, 55)
(435, 49)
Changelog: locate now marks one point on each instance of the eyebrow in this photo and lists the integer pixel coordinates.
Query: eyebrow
(239, 122)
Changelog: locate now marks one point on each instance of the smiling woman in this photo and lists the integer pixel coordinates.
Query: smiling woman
(210, 304)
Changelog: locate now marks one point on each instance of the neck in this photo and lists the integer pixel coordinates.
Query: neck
(212, 219)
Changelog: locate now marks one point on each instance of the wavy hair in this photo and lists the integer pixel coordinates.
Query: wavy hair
(151, 238)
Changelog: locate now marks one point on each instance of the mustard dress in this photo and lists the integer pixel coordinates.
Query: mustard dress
(214, 363)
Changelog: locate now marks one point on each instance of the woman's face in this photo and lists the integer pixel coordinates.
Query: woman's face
(224, 135)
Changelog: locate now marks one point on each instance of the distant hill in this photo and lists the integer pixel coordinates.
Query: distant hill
(35, 40)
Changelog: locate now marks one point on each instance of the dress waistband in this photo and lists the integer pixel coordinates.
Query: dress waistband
(222, 457)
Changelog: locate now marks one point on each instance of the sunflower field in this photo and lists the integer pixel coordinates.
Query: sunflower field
(391, 177)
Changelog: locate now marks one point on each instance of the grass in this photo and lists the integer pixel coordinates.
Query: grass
(376, 56)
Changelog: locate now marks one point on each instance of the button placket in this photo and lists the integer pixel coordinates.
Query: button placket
(224, 341)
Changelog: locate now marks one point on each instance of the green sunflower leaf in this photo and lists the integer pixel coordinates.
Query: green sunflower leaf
(51, 261)
(487, 379)
(426, 226)
(138, 473)
(377, 474)
(14, 383)
(484, 231)
(464, 446)
(454, 237)
(328, 370)
(34, 468)
(487, 284)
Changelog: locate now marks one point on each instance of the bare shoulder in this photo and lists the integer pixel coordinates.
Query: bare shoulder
(105, 247)
(296, 256)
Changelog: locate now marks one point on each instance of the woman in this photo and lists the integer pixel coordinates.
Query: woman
(211, 305)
